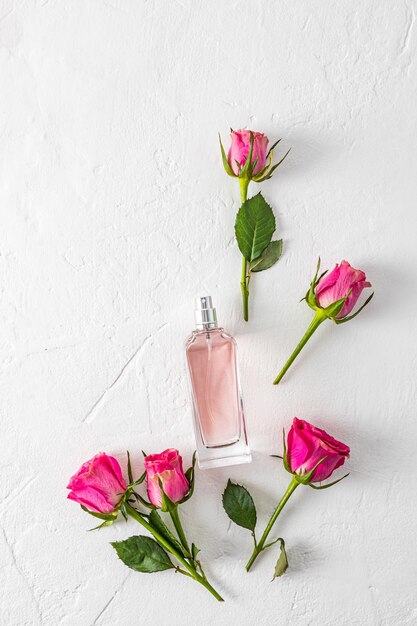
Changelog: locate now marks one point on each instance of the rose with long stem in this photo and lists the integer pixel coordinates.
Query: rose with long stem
(311, 456)
(333, 296)
(249, 159)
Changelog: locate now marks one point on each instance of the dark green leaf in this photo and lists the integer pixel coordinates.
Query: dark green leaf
(282, 563)
(268, 257)
(239, 506)
(159, 525)
(142, 554)
(255, 225)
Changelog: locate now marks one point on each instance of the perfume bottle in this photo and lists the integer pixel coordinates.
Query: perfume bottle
(219, 421)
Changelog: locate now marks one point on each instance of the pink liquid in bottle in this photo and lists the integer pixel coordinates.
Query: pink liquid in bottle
(217, 402)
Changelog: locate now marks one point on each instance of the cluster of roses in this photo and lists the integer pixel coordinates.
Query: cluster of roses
(309, 454)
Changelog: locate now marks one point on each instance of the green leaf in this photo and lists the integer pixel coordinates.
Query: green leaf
(254, 227)
(268, 257)
(239, 506)
(142, 554)
(159, 525)
(282, 563)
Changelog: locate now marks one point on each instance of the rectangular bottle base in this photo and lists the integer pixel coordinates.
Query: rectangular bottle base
(220, 457)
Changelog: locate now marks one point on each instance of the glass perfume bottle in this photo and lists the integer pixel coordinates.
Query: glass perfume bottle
(219, 421)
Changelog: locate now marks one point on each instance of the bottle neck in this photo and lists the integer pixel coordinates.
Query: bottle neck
(207, 326)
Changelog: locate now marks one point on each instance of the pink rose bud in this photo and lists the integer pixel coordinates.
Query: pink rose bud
(337, 284)
(239, 150)
(307, 445)
(98, 484)
(167, 468)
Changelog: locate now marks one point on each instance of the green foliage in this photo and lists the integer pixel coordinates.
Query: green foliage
(268, 258)
(239, 506)
(142, 554)
(255, 225)
(282, 563)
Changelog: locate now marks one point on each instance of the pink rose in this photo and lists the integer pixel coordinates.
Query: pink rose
(306, 445)
(98, 484)
(239, 150)
(166, 467)
(337, 284)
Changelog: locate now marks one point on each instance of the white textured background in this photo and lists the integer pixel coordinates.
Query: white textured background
(116, 212)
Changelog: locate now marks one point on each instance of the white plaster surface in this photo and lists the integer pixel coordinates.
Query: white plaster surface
(116, 212)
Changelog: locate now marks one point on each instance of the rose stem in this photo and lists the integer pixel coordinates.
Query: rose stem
(190, 569)
(244, 183)
(178, 527)
(319, 317)
(260, 545)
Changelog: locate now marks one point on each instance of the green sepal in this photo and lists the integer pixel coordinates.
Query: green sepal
(330, 484)
(272, 170)
(123, 511)
(268, 258)
(247, 169)
(271, 149)
(310, 297)
(226, 163)
(305, 478)
(109, 523)
(284, 455)
(129, 467)
(139, 481)
(159, 525)
(142, 500)
(282, 563)
(194, 551)
(334, 309)
(167, 504)
(104, 516)
(350, 317)
(142, 554)
(239, 505)
(190, 476)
